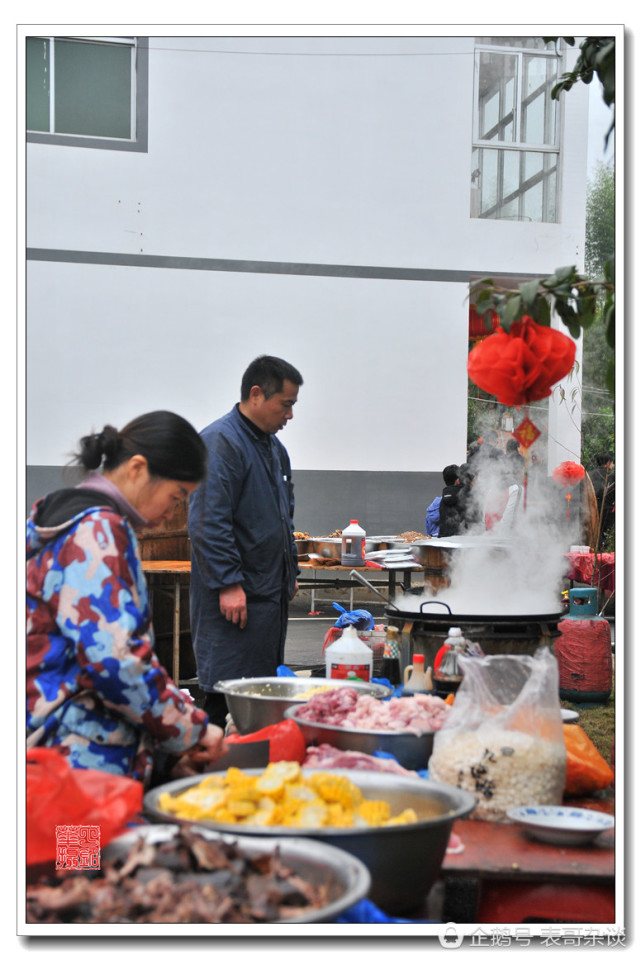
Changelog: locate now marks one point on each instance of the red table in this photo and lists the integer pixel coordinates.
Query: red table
(585, 566)
(517, 879)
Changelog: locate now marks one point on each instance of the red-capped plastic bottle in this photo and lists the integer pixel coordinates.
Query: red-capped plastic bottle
(353, 545)
(419, 680)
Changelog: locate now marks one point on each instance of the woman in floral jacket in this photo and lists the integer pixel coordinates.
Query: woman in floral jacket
(95, 688)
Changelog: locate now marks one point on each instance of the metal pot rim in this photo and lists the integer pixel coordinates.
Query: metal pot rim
(467, 802)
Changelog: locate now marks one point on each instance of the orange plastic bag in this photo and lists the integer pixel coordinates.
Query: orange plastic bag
(586, 771)
(58, 795)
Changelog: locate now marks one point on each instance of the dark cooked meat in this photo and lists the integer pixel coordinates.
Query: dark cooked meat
(187, 879)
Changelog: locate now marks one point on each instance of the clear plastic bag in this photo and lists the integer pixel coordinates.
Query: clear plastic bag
(503, 738)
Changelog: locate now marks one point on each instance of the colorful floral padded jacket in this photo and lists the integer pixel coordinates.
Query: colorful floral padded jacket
(95, 688)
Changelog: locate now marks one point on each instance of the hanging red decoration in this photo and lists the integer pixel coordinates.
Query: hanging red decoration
(523, 365)
(568, 473)
(526, 433)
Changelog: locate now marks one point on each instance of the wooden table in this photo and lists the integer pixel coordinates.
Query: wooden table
(175, 569)
(503, 876)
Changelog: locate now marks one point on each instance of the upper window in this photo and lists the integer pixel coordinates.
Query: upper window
(515, 153)
(87, 91)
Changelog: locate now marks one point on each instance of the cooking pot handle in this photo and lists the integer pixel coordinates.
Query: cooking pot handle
(442, 603)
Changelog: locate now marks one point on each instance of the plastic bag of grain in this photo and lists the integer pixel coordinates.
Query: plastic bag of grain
(503, 739)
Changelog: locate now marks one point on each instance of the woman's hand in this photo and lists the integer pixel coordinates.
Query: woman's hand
(209, 748)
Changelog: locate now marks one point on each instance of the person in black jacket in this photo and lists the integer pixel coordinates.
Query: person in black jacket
(449, 515)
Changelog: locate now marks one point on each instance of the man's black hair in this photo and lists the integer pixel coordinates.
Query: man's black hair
(268, 373)
(450, 474)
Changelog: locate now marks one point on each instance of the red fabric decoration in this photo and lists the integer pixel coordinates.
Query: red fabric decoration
(521, 366)
(568, 473)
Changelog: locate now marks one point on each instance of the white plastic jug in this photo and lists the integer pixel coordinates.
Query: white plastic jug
(419, 680)
(348, 658)
(353, 545)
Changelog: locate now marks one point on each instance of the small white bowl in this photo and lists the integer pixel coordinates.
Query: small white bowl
(569, 716)
(566, 826)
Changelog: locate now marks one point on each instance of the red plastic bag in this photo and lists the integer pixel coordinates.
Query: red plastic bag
(286, 741)
(332, 634)
(58, 795)
(586, 770)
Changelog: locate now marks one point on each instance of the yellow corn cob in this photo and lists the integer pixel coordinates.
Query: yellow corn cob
(375, 812)
(276, 775)
(331, 787)
(407, 816)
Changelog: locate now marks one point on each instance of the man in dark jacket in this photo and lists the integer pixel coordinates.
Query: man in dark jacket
(243, 554)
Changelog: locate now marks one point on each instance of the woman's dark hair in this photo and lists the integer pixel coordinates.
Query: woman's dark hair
(268, 373)
(172, 447)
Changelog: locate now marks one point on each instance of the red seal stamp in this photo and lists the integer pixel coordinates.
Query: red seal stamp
(78, 847)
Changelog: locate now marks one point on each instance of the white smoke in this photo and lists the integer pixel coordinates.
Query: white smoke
(518, 566)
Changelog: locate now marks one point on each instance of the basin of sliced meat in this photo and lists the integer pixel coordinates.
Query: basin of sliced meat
(402, 726)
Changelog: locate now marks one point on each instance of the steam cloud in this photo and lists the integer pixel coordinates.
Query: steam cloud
(517, 567)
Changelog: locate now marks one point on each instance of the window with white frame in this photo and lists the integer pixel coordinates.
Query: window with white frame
(515, 151)
(86, 91)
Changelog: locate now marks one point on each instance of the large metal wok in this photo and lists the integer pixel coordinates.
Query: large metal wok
(437, 611)
(495, 633)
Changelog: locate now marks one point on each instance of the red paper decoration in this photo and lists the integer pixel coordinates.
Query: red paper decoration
(568, 473)
(521, 366)
(526, 433)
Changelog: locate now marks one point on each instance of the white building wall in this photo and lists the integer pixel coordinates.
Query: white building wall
(362, 161)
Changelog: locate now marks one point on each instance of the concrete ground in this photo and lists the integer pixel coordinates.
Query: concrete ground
(309, 623)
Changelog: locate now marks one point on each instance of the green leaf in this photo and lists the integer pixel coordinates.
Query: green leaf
(483, 296)
(513, 311)
(529, 292)
(604, 54)
(608, 318)
(563, 274)
(542, 311)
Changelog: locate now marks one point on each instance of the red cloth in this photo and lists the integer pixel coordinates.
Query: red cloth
(582, 566)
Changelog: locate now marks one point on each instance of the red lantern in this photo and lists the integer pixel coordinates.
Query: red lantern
(521, 366)
(568, 474)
